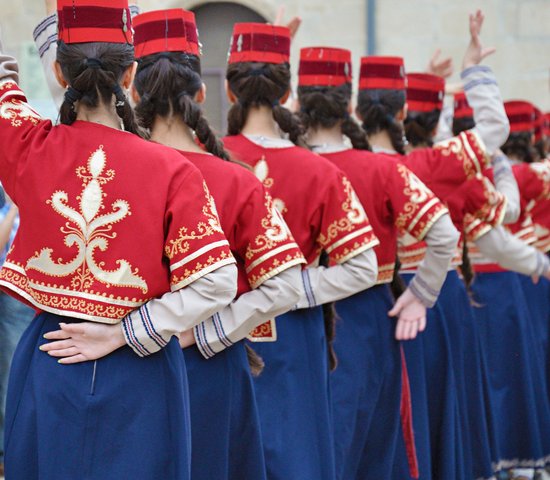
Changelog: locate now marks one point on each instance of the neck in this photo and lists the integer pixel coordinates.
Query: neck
(259, 121)
(381, 140)
(102, 114)
(325, 136)
(174, 133)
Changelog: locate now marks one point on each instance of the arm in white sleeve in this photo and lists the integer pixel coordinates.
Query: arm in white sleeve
(150, 327)
(230, 325)
(45, 38)
(511, 253)
(441, 240)
(445, 124)
(505, 183)
(9, 69)
(322, 285)
(483, 94)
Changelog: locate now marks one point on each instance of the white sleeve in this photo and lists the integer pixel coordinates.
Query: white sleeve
(9, 69)
(45, 38)
(511, 253)
(505, 183)
(483, 94)
(150, 327)
(230, 325)
(322, 285)
(445, 125)
(441, 242)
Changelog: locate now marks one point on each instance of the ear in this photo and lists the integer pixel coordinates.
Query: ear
(358, 114)
(200, 96)
(56, 67)
(401, 115)
(284, 98)
(350, 108)
(129, 75)
(231, 97)
(134, 95)
(295, 107)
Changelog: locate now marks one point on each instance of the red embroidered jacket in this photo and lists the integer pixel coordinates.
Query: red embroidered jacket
(108, 220)
(395, 199)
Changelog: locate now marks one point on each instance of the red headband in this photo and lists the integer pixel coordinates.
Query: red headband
(382, 73)
(324, 67)
(521, 115)
(86, 21)
(425, 92)
(259, 42)
(462, 108)
(171, 30)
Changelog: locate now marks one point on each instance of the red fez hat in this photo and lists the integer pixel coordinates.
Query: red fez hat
(462, 108)
(539, 124)
(425, 92)
(382, 73)
(171, 30)
(521, 115)
(324, 67)
(546, 125)
(86, 21)
(259, 42)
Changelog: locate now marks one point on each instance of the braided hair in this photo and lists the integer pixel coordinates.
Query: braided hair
(326, 107)
(261, 84)
(377, 109)
(420, 127)
(94, 72)
(167, 84)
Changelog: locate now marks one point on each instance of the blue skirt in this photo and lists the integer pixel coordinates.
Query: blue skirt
(437, 417)
(225, 425)
(366, 387)
(519, 416)
(294, 400)
(119, 417)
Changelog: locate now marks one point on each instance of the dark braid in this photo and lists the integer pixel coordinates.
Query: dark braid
(519, 146)
(463, 124)
(397, 285)
(255, 362)
(326, 106)
(94, 72)
(467, 270)
(420, 127)
(257, 84)
(377, 109)
(167, 84)
(330, 317)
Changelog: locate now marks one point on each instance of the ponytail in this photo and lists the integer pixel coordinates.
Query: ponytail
(420, 127)
(330, 317)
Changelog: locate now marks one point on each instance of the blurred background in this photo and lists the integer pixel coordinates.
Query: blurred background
(520, 29)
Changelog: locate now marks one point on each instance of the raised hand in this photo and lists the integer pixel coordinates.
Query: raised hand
(51, 6)
(411, 313)
(293, 25)
(442, 67)
(81, 342)
(475, 53)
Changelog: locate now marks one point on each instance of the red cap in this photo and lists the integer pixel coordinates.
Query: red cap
(171, 30)
(86, 21)
(259, 42)
(425, 92)
(324, 67)
(539, 124)
(521, 115)
(462, 108)
(546, 125)
(382, 73)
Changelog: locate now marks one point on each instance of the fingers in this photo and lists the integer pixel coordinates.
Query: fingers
(280, 15)
(422, 324)
(57, 335)
(487, 51)
(64, 352)
(60, 344)
(74, 359)
(73, 328)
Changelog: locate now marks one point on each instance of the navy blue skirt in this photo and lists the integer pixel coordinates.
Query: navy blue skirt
(225, 425)
(294, 399)
(366, 387)
(519, 416)
(437, 420)
(119, 417)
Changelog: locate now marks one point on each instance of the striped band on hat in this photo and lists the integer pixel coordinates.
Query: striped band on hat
(259, 42)
(324, 67)
(425, 92)
(86, 21)
(172, 30)
(462, 108)
(382, 73)
(521, 115)
(539, 124)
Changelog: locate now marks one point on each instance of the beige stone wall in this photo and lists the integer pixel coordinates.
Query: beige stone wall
(411, 28)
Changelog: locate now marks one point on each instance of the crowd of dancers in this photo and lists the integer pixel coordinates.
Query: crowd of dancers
(359, 285)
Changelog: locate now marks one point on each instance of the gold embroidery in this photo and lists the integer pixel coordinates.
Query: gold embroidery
(17, 111)
(204, 229)
(88, 231)
(467, 154)
(266, 332)
(355, 215)
(261, 170)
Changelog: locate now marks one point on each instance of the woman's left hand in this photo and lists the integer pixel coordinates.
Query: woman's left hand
(81, 342)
